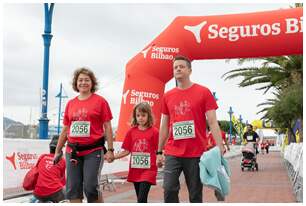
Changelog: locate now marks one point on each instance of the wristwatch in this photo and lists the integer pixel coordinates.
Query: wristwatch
(110, 149)
(159, 153)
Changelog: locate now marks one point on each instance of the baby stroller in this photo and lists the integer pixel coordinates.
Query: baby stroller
(249, 157)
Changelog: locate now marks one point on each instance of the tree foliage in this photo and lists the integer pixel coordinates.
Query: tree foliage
(284, 76)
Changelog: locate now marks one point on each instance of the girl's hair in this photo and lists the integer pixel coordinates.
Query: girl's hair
(145, 108)
(86, 71)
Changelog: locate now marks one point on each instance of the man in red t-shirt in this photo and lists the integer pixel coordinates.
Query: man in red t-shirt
(51, 179)
(182, 132)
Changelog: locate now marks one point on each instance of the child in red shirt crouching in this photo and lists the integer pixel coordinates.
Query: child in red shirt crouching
(51, 179)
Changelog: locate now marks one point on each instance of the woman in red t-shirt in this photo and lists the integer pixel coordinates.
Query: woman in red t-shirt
(141, 142)
(87, 120)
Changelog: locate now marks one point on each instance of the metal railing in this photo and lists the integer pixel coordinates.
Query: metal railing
(293, 161)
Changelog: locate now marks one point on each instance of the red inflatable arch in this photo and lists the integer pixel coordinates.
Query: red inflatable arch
(270, 33)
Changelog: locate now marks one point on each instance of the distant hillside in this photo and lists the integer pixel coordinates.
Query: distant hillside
(8, 121)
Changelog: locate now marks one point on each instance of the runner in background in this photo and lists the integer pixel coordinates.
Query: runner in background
(141, 142)
(86, 121)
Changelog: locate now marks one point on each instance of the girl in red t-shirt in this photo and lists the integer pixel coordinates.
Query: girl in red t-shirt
(141, 142)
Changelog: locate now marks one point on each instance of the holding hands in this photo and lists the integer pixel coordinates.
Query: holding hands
(109, 156)
(160, 160)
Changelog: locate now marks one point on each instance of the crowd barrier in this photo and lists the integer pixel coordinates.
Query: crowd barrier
(293, 160)
(20, 155)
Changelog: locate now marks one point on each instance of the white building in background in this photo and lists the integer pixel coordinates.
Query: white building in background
(269, 134)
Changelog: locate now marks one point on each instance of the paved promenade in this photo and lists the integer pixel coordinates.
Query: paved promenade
(269, 184)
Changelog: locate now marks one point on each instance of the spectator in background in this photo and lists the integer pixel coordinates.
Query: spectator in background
(267, 146)
(211, 140)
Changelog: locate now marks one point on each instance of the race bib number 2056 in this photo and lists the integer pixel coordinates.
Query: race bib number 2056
(183, 130)
(80, 129)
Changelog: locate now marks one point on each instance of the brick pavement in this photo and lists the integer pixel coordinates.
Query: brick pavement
(269, 184)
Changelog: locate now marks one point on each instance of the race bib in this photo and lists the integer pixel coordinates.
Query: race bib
(80, 129)
(183, 130)
(140, 160)
(249, 137)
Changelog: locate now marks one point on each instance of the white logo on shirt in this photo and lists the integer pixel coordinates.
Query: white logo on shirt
(182, 108)
(141, 145)
(80, 114)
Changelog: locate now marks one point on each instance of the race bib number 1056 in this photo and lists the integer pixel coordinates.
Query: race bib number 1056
(140, 160)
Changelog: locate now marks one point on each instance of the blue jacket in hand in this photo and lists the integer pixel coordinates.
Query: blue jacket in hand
(214, 171)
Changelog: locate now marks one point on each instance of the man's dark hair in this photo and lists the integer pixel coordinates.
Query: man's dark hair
(52, 149)
(249, 125)
(53, 143)
(181, 57)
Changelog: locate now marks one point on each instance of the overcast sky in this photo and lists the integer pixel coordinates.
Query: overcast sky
(104, 37)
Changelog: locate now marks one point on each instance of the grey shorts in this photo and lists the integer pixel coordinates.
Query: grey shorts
(84, 176)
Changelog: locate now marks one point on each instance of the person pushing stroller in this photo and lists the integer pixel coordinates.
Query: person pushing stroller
(251, 136)
(250, 150)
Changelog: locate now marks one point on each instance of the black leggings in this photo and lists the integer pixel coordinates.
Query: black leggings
(142, 191)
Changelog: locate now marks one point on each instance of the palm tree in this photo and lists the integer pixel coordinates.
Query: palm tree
(274, 72)
(285, 109)
(284, 75)
(296, 5)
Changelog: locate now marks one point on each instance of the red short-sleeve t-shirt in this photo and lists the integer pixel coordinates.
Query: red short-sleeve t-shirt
(187, 129)
(51, 178)
(211, 140)
(84, 119)
(142, 145)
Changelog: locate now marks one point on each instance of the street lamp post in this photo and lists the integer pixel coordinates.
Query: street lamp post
(60, 96)
(230, 112)
(240, 128)
(43, 121)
